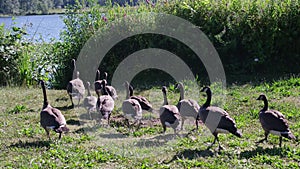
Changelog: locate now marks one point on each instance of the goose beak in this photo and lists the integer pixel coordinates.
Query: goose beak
(258, 98)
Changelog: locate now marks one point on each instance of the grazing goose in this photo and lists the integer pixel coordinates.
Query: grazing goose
(51, 118)
(110, 90)
(97, 84)
(187, 107)
(216, 119)
(169, 114)
(272, 121)
(90, 101)
(145, 104)
(75, 87)
(105, 103)
(132, 110)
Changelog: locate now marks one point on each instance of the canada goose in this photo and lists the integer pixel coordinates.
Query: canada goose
(169, 114)
(105, 103)
(52, 118)
(75, 87)
(272, 121)
(110, 90)
(216, 119)
(145, 104)
(97, 83)
(90, 101)
(187, 107)
(132, 110)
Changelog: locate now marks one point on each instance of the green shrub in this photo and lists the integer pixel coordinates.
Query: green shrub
(248, 35)
(23, 62)
(10, 52)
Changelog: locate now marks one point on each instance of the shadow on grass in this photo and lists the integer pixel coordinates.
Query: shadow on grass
(75, 122)
(35, 144)
(88, 129)
(86, 116)
(156, 141)
(62, 99)
(190, 155)
(276, 151)
(64, 108)
(113, 135)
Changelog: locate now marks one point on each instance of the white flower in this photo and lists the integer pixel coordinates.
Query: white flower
(256, 60)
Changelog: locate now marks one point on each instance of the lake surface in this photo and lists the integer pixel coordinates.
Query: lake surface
(38, 27)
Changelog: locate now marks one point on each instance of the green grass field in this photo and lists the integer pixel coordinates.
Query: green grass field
(24, 143)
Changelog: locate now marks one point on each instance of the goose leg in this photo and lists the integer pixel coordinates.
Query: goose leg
(212, 142)
(78, 103)
(88, 112)
(138, 125)
(164, 129)
(280, 141)
(48, 133)
(108, 120)
(182, 123)
(59, 137)
(220, 147)
(264, 139)
(71, 100)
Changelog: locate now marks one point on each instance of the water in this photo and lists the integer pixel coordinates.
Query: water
(39, 27)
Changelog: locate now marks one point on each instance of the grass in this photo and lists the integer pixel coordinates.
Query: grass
(24, 144)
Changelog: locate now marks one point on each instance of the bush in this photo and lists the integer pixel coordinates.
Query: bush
(10, 52)
(248, 35)
(23, 62)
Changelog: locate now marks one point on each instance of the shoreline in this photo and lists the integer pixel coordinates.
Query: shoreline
(51, 12)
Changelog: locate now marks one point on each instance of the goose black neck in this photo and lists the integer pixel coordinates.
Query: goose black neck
(265, 105)
(181, 93)
(130, 91)
(89, 93)
(97, 75)
(105, 75)
(75, 70)
(104, 89)
(208, 99)
(45, 95)
(127, 92)
(165, 98)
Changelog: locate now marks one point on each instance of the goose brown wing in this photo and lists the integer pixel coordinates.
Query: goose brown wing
(215, 112)
(194, 104)
(107, 103)
(145, 104)
(227, 123)
(273, 120)
(169, 113)
(52, 117)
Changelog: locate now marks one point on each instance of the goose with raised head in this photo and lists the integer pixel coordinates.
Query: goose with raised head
(216, 119)
(110, 90)
(97, 83)
(169, 114)
(51, 118)
(132, 110)
(90, 101)
(75, 87)
(273, 121)
(105, 103)
(187, 107)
